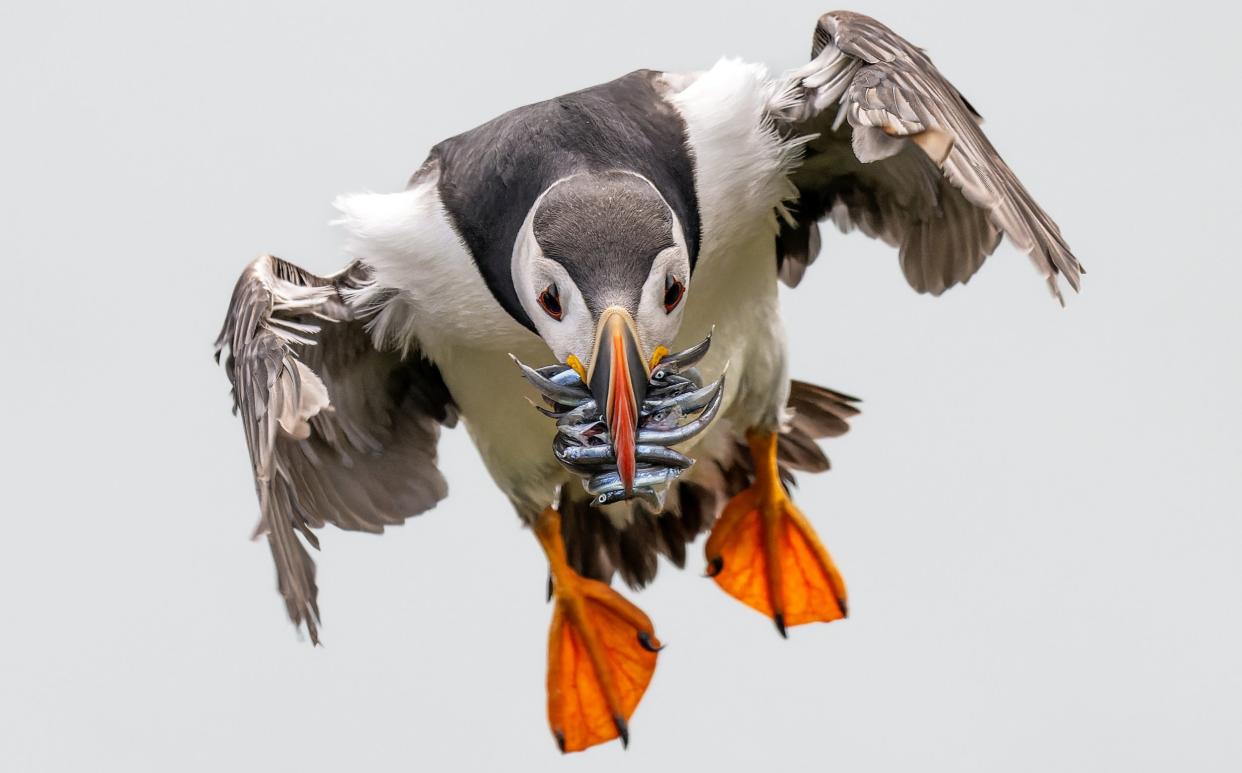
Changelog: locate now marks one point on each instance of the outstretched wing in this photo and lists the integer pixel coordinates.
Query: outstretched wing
(339, 431)
(899, 155)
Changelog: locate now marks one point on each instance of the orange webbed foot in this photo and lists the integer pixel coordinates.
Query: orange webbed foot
(601, 653)
(763, 552)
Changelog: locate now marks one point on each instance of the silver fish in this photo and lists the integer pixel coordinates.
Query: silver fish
(688, 430)
(677, 407)
(602, 455)
(644, 477)
(565, 394)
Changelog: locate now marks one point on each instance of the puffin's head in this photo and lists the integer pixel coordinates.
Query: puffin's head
(603, 271)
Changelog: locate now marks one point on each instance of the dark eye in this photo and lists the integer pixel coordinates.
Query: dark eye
(674, 290)
(550, 300)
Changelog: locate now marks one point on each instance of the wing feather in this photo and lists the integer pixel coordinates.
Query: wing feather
(339, 431)
(898, 153)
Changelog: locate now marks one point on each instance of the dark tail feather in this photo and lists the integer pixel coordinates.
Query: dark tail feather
(596, 548)
(821, 412)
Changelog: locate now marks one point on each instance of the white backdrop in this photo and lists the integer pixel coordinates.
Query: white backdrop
(1037, 514)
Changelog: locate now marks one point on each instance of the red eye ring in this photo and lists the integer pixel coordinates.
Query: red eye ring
(550, 301)
(674, 291)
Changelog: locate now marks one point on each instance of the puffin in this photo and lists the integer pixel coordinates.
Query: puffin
(612, 256)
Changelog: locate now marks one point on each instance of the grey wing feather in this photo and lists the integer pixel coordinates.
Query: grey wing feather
(338, 431)
(899, 155)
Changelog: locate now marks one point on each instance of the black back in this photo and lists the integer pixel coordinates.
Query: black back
(491, 176)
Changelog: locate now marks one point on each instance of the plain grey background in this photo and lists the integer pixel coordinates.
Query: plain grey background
(1037, 514)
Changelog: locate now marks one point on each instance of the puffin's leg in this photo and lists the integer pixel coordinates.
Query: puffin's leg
(763, 552)
(601, 652)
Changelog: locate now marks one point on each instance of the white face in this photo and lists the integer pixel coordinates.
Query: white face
(560, 313)
(664, 298)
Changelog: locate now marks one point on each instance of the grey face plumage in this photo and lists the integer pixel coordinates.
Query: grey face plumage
(605, 230)
(677, 406)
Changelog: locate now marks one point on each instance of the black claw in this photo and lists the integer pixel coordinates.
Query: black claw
(622, 729)
(714, 566)
(845, 610)
(779, 619)
(549, 586)
(560, 740)
(644, 639)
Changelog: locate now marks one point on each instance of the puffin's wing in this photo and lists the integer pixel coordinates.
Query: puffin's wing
(900, 155)
(339, 431)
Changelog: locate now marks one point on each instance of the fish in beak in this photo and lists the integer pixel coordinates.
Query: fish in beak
(618, 377)
(617, 422)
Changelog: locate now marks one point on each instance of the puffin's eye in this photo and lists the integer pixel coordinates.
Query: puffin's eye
(674, 290)
(550, 300)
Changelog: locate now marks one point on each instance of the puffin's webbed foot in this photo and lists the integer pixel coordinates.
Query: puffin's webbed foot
(763, 552)
(601, 652)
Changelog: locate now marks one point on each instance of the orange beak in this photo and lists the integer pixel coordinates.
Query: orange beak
(618, 379)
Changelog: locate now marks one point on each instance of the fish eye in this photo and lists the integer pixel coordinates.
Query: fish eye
(674, 290)
(550, 300)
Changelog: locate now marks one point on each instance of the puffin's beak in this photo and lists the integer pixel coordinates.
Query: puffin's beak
(618, 379)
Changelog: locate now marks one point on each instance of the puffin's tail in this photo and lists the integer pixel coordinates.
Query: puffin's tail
(597, 547)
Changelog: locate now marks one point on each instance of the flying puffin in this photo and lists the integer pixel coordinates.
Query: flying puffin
(603, 232)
